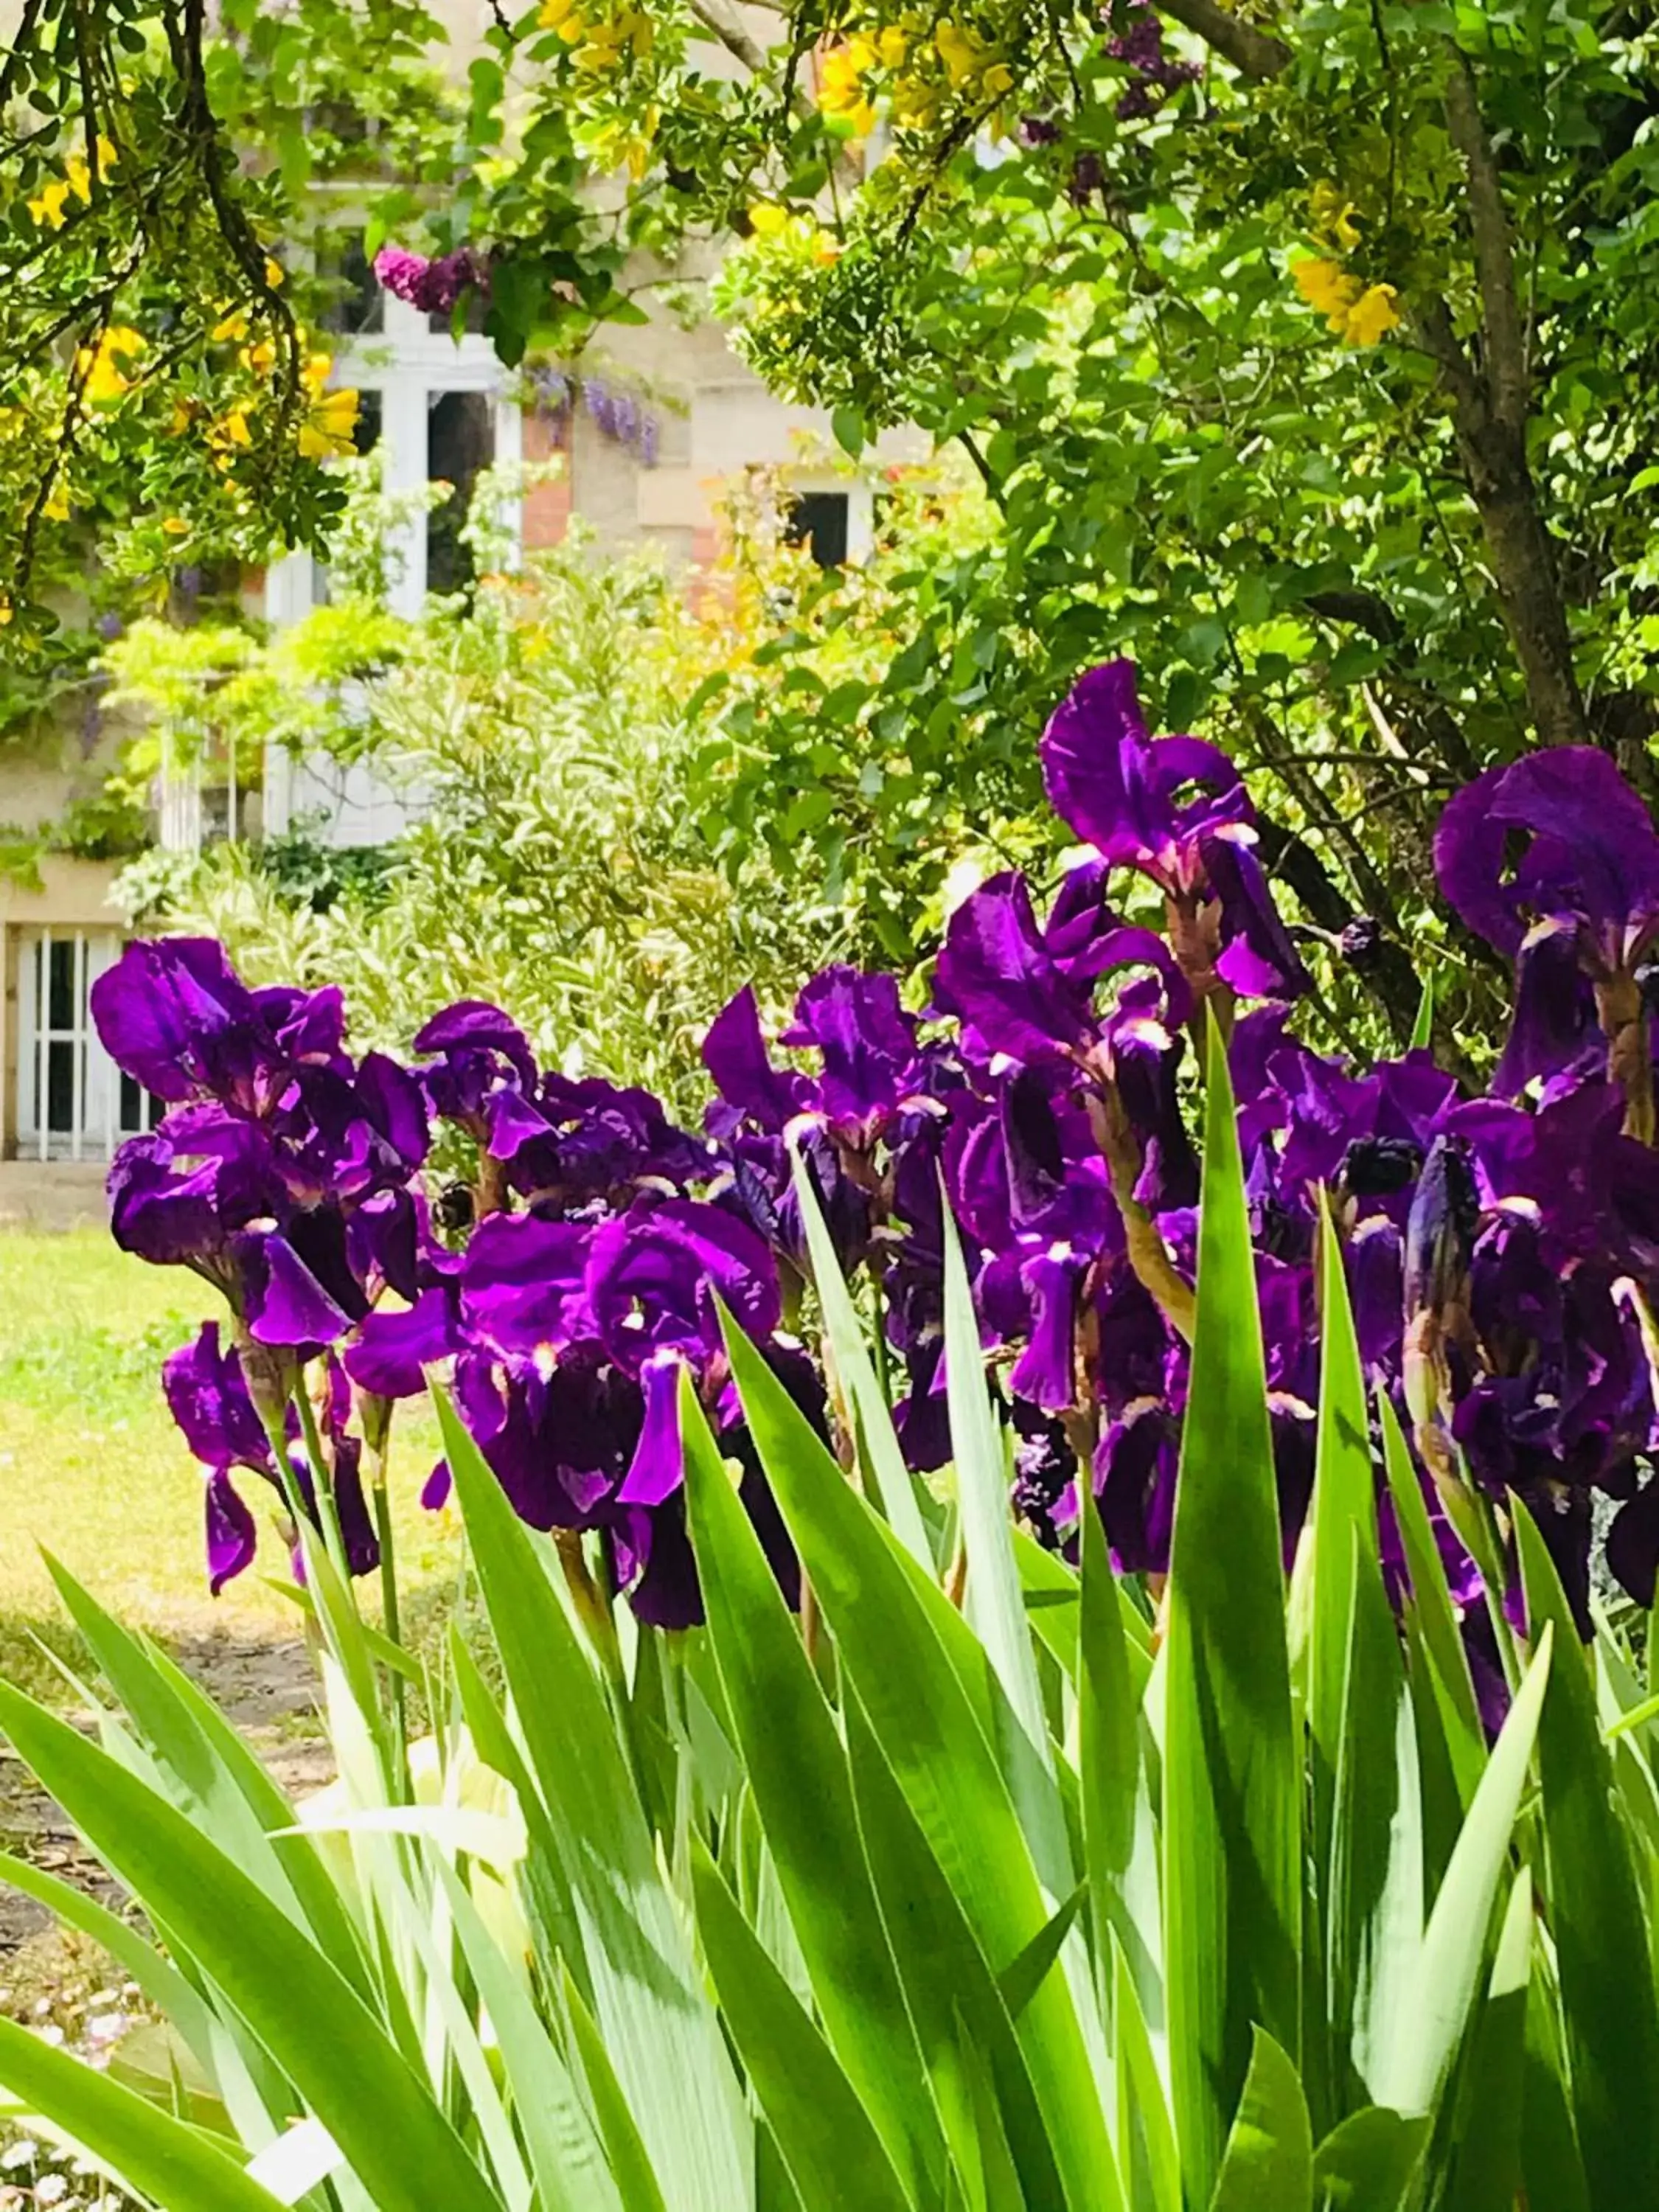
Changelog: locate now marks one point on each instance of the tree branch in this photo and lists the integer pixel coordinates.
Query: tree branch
(1503, 330)
(729, 28)
(1253, 53)
(1388, 974)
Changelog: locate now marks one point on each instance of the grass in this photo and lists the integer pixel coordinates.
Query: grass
(93, 1469)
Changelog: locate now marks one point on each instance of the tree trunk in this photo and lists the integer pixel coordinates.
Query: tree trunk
(1523, 568)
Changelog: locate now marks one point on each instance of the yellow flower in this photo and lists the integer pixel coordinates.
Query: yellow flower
(915, 105)
(997, 79)
(328, 427)
(826, 247)
(1334, 215)
(319, 368)
(768, 221)
(231, 429)
(959, 51)
(57, 508)
(5, 612)
(1357, 312)
(176, 526)
(553, 13)
(260, 358)
(47, 206)
(892, 46)
(1325, 285)
(840, 84)
(274, 272)
(234, 325)
(1371, 315)
(105, 379)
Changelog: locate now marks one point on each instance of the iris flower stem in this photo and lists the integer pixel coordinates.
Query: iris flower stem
(883, 1375)
(322, 1483)
(390, 1610)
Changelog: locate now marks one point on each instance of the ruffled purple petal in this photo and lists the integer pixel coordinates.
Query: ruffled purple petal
(232, 1537)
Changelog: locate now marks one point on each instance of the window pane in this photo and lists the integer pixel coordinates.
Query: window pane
(140, 1110)
(357, 305)
(817, 520)
(460, 440)
(60, 1087)
(61, 1009)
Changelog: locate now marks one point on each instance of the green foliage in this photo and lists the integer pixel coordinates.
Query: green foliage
(562, 753)
(804, 1913)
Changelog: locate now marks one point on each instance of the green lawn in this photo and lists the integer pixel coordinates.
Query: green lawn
(92, 1468)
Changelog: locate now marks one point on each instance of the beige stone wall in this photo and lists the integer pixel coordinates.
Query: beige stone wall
(72, 895)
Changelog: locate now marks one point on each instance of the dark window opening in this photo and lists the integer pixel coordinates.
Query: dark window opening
(140, 1109)
(355, 304)
(60, 1086)
(62, 1009)
(460, 442)
(817, 520)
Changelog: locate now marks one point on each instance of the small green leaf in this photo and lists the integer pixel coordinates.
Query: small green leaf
(1268, 2163)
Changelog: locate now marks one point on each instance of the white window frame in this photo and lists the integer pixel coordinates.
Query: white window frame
(408, 364)
(95, 1109)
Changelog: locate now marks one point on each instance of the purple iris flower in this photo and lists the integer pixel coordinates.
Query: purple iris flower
(174, 1014)
(1175, 809)
(867, 1046)
(1555, 861)
(209, 1399)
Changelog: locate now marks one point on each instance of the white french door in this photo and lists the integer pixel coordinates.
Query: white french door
(73, 1103)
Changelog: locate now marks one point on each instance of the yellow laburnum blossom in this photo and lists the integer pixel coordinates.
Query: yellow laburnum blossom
(891, 46)
(48, 204)
(960, 51)
(997, 79)
(915, 105)
(234, 325)
(1327, 287)
(841, 83)
(328, 425)
(1372, 315)
(826, 247)
(231, 429)
(1334, 215)
(176, 526)
(101, 366)
(766, 221)
(260, 357)
(57, 507)
(51, 203)
(552, 14)
(1357, 312)
(276, 274)
(5, 612)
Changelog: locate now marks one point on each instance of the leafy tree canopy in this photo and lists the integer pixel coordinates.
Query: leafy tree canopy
(1308, 353)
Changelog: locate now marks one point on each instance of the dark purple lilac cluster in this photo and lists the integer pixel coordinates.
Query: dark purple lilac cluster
(1500, 1250)
(433, 286)
(1154, 74)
